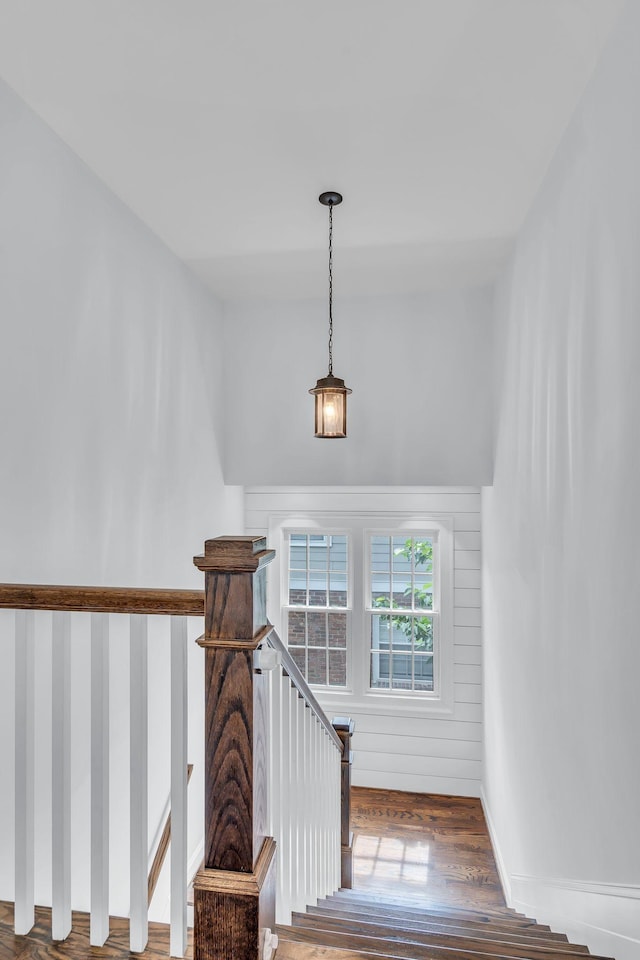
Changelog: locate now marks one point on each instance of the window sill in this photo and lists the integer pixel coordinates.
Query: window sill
(382, 704)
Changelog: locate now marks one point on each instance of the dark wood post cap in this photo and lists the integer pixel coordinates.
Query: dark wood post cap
(234, 554)
(344, 725)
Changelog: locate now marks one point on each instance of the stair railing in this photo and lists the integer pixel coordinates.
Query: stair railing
(102, 604)
(274, 766)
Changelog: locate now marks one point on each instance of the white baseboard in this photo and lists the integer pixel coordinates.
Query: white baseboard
(603, 916)
(497, 853)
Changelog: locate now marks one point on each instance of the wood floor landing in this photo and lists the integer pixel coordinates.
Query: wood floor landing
(424, 847)
(38, 945)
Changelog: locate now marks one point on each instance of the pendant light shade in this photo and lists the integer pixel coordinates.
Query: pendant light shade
(331, 407)
(330, 392)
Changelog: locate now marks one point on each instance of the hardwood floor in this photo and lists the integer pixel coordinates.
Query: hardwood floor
(434, 850)
(424, 847)
(39, 946)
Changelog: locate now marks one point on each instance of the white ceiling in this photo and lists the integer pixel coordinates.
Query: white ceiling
(220, 121)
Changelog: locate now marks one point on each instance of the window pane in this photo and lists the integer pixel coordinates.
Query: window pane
(296, 629)
(298, 559)
(401, 596)
(337, 629)
(380, 671)
(401, 678)
(402, 552)
(380, 632)
(298, 658)
(401, 635)
(423, 671)
(338, 554)
(423, 555)
(317, 666)
(391, 632)
(380, 557)
(317, 629)
(318, 556)
(318, 588)
(338, 590)
(298, 588)
(423, 591)
(423, 634)
(380, 590)
(337, 668)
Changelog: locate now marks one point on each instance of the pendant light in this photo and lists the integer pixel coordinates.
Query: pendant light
(330, 392)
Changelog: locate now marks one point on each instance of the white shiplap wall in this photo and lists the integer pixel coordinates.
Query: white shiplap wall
(416, 751)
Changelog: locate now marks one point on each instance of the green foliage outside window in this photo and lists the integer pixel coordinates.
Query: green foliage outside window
(420, 554)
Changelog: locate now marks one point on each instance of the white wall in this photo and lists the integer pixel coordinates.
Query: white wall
(561, 531)
(420, 748)
(110, 471)
(419, 368)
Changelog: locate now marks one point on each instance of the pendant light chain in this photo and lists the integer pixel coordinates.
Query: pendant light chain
(330, 289)
(330, 392)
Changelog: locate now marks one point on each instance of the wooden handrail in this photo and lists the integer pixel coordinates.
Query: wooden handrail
(293, 672)
(33, 596)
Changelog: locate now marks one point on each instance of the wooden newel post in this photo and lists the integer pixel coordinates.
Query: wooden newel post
(344, 727)
(234, 894)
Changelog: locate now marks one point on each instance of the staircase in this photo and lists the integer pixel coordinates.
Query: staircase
(360, 925)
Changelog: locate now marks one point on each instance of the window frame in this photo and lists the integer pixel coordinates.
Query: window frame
(434, 613)
(285, 607)
(358, 696)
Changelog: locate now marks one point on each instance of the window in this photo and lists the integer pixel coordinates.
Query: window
(367, 607)
(401, 579)
(318, 581)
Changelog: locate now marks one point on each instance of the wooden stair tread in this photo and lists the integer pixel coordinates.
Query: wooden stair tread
(292, 950)
(363, 893)
(442, 925)
(482, 946)
(432, 907)
(426, 914)
(397, 949)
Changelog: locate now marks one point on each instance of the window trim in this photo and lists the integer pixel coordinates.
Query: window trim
(284, 607)
(435, 612)
(357, 697)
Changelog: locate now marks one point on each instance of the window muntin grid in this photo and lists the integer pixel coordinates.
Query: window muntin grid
(317, 621)
(403, 616)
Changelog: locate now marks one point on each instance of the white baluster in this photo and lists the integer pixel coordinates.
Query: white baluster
(179, 758)
(138, 923)
(328, 815)
(322, 812)
(337, 773)
(283, 900)
(320, 790)
(24, 771)
(61, 776)
(99, 923)
(299, 865)
(303, 768)
(293, 793)
(309, 805)
(274, 716)
(311, 823)
(315, 824)
(334, 846)
(322, 892)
